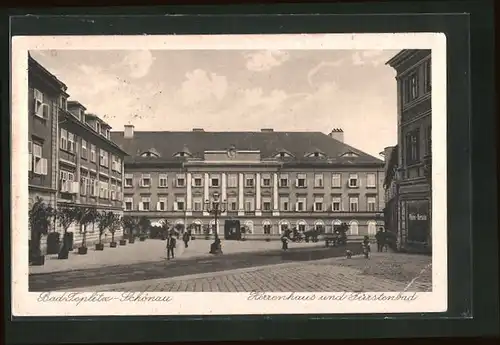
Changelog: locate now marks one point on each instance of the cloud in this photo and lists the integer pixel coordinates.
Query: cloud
(201, 86)
(369, 57)
(139, 63)
(265, 60)
(319, 66)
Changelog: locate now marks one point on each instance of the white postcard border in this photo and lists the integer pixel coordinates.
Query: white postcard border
(26, 303)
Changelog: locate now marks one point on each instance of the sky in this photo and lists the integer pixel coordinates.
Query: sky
(236, 90)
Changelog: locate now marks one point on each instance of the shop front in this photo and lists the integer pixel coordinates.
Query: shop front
(415, 226)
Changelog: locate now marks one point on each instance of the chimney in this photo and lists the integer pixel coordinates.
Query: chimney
(338, 134)
(267, 130)
(128, 132)
(198, 130)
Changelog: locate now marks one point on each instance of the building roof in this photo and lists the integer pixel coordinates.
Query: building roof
(56, 82)
(299, 144)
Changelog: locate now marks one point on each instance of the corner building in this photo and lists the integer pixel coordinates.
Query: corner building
(414, 155)
(269, 180)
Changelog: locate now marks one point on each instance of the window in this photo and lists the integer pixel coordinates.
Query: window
(301, 181)
(428, 76)
(162, 204)
(232, 180)
(197, 181)
(350, 154)
(146, 180)
(98, 127)
(318, 181)
(84, 152)
(353, 180)
(249, 205)
(63, 103)
(103, 158)
(266, 180)
(197, 204)
(64, 139)
(302, 226)
(249, 181)
(232, 204)
(37, 163)
(371, 180)
(129, 204)
(267, 228)
(180, 180)
(71, 142)
(283, 154)
(411, 88)
(145, 204)
(318, 204)
(118, 165)
(214, 181)
(353, 204)
(413, 147)
(336, 204)
(84, 185)
(301, 204)
(371, 203)
(129, 178)
(372, 228)
(284, 204)
(179, 204)
(428, 138)
(41, 109)
(163, 181)
(315, 155)
(92, 153)
(336, 180)
(266, 204)
(66, 181)
(104, 190)
(283, 180)
(353, 228)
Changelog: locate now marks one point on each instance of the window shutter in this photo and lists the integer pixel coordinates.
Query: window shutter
(44, 166)
(76, 187)
(175, 206)
(141, 208)
(30, 164)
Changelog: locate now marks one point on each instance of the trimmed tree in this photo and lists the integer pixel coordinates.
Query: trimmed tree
(104, 220)
(115, 222)
(87, 215)
(67, 215)
(40, 216)
(130, 225)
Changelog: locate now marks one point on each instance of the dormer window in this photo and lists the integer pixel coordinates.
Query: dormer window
(150, 154)
(182, 154)
(315, 154)
(98, 127)
(283, 154)
(350, 154)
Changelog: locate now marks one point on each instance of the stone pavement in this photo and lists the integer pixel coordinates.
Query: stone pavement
(153, 251)
(388, 272)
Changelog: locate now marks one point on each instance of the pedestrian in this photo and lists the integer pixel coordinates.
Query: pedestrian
(185, 239)
(366, 246)
(170, 246)
(381, 238)
(284, 241)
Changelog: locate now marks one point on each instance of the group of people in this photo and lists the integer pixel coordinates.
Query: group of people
(385, 240)
(172, 237)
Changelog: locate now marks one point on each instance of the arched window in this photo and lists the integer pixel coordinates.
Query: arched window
(282, 153)
(197, 226)
(150, 154)
(213, 227)
(301, 225)
(336, 223)
(283, 225)
(353, 228)
(249, 225)
(315, 154)
(372, 227)
(319, 225)
(349, 154)
(267, 226)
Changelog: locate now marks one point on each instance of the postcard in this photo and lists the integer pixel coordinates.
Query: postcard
(229, 174)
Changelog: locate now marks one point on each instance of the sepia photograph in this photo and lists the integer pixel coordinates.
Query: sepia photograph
(276, 172)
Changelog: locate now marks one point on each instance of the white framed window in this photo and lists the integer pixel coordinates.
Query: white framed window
(232, 180)
(129, 203)
(249, 181)
(266, 180)
(353, 228)
(232, 204)
(98, 127)
(40, 164)
(119, 165)
(197, 204)
(301, 205)
(41, 109)
(336, 180)
(284, 204)
(103, 158)
(113, 191)
(214, 180)
(372, 227)
(249, 204)
(161, 205)
(301, 181)
(63, 104)
(84, 153)
(84, 184)
(92, 153)
(66, 180)
(353, 204)
(336, 204)
(318, 204)
(180, 180)
(371, 204)
(163, 181)
(146, 180)
(113, 163)
(318, 180)
(353, 181)
(371, 180)
(197, 181)
(71, 142)
(145, 204)
(266, 204)
(64, 139)
(283, 181)
(129, 180)
(180, 203)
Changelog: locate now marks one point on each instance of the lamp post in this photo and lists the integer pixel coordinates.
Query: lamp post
(215, 207)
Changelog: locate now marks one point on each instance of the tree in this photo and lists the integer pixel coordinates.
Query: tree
(104, 219)
(66, 216)
(40, 216)
(114, 224)
(144, 225)
(86, 216)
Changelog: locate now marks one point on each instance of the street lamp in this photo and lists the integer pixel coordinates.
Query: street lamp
(215, 207)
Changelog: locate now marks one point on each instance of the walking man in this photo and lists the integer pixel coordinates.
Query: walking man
(185, 238)
(170, 246)
(380, 237)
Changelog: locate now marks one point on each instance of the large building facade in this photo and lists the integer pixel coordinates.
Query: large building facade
(413, 75)
(268, 180)
(73, 161)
